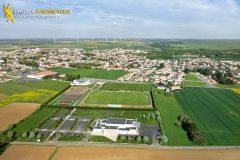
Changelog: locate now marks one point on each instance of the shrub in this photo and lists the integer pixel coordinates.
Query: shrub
(10, 134)
(39, 136)
(129, 138)
(123, 138)
(157, 113)
(24, 135)
(139, 139)
(145, 139)
(32, 135)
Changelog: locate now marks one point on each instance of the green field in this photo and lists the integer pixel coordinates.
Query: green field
(192, 80)
(209, 44)
(34, 121)
(92, 73)
(192, 77)
(194, 84)
(124, 98)
(215, 111)
(170, 110)
(126, 87)
(34, 92)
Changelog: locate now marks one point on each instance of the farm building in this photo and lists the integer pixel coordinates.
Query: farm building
(112, 127)
(79, 82)
(40, 75)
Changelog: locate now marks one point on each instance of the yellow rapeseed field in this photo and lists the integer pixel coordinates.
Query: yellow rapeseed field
(236, 91)
(38, 96)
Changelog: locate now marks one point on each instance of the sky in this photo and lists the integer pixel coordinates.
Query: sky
(171, 19)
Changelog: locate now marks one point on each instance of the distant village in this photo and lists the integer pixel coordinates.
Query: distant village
(139, 68)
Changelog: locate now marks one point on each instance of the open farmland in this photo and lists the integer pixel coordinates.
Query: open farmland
(124, 98)
(92, 73)
(104, 153)
(215, 111)
(32, 92)
(126, 87)
(28, 152)
(170, 110)
(11, 113)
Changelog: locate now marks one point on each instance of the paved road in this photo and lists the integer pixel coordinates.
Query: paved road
(124, 145)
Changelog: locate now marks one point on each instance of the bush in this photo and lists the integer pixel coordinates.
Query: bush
(129, 138)
(10, 134)
(123, 138)
(32, 135)
(24, 135)
(139, 139)
(157, 113)
(39, 136)
(145, 139)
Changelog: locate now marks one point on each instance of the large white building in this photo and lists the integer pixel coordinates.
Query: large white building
(79, 82)
(112, 127)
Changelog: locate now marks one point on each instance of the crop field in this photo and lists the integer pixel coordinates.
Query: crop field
(28, 152)
(124, 98)
(170, 110)
(215, 111)
(107, 153)
(84, 44)
(126, 87)
(210, 44)
(236, 91)
(31, 92)
(92, 73)
(11, 113)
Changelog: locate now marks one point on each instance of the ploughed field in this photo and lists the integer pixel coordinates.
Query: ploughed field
(27, 152)
(215, 111)
(14, 112)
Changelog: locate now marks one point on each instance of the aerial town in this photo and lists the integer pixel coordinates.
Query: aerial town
(138, 67)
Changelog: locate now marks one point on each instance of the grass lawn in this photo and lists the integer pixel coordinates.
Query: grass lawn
(215, 111)
(170, 110)
(192, 77)
(117, 114)
(71, 138)
(125, 98)
(99, 139)
(34, 121)
(126, 87)
(194, 84)
(192, 80)
(92, 73)
(33, 92)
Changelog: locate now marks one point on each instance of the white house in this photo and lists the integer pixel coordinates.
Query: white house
(79, 82)
(112, 127)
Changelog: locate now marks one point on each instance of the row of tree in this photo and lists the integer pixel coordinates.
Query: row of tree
(192, 130)
(137, 139)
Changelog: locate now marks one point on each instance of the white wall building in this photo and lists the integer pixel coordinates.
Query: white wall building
(79, 82)
(112, 127)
